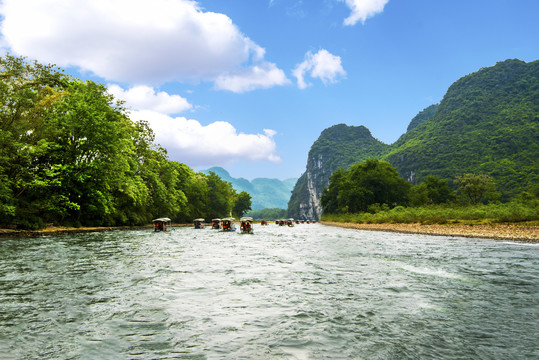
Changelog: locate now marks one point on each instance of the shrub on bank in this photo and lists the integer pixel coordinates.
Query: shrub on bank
(518, 210)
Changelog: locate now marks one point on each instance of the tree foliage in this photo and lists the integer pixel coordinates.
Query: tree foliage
(371, 182)
(242, 204)
(431, 191)
(70, 155)
(476, 188)
(268, 214)
(487, 123)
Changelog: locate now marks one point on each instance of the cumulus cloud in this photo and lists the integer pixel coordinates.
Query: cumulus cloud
(323, 65)
(145, 98)
(363, 9)
(257, 77)
(132, 41)
(190, 142)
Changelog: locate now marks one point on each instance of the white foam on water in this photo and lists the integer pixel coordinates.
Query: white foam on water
(430, 271)
(297, 354)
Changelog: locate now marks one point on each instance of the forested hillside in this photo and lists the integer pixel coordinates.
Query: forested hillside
(487, 123)
(69, 155)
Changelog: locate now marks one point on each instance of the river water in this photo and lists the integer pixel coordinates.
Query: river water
(307, 292)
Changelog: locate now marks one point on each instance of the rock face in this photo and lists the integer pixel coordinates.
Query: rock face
(337, 146)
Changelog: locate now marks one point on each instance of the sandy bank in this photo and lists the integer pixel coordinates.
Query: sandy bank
(504, 232)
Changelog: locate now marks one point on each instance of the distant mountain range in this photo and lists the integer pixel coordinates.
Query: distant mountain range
(265, 193)
(487, 123)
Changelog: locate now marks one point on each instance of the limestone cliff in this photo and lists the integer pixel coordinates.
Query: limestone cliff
(337, 146)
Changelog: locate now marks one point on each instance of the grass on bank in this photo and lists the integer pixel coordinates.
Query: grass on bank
(513, 212)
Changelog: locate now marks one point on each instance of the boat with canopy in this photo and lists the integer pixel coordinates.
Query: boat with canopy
(228, 224)
(162, 224)
(246, 225)
(216, 223)
(198, 223)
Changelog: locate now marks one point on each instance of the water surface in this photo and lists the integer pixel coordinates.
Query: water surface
(308, 292)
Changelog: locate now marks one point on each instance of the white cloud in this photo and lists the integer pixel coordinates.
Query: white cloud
(132, 41)
(218, 143)
(145, 98)
(257, 77)
(363, 9)
(323, 65)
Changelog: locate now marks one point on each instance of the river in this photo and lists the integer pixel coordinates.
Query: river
(307, 292)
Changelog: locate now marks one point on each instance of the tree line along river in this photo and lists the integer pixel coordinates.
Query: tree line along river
(306, 292)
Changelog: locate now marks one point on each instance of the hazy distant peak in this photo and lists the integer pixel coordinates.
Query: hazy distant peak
(265, 192)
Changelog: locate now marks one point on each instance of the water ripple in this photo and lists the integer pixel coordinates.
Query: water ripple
(308, 292)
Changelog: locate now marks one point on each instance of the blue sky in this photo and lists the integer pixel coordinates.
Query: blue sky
(249, 84)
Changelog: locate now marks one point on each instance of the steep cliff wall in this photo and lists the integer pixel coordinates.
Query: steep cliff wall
(337, 146)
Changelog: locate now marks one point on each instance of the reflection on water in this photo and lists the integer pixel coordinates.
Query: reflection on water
(308, 292)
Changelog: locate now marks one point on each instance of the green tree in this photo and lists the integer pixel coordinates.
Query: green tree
(371, 182)
(28, 92)
(70, 155)
(477, 188)
(220, 197)
(242, 204)
(87, 151)
(268, 214)
(197, 193)
(431, 191)
(330, 200)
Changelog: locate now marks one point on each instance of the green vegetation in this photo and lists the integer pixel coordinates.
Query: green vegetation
(365, 184)
(242, 204)
(487, 123)
(495, 213)
(371, 192)
(423, 116)
(342, 146)
(69, 155)
(339, 146)
(477, 188)
(268, 214)
(432, 191)
(265, 193)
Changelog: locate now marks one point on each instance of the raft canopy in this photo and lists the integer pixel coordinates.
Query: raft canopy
(246, 219)
(165, 220)
(199, 220)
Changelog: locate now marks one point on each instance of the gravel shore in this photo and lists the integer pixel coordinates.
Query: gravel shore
(503, 232)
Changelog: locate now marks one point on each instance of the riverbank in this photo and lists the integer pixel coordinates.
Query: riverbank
(59, 230)
(62, 230)
(498, 231)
